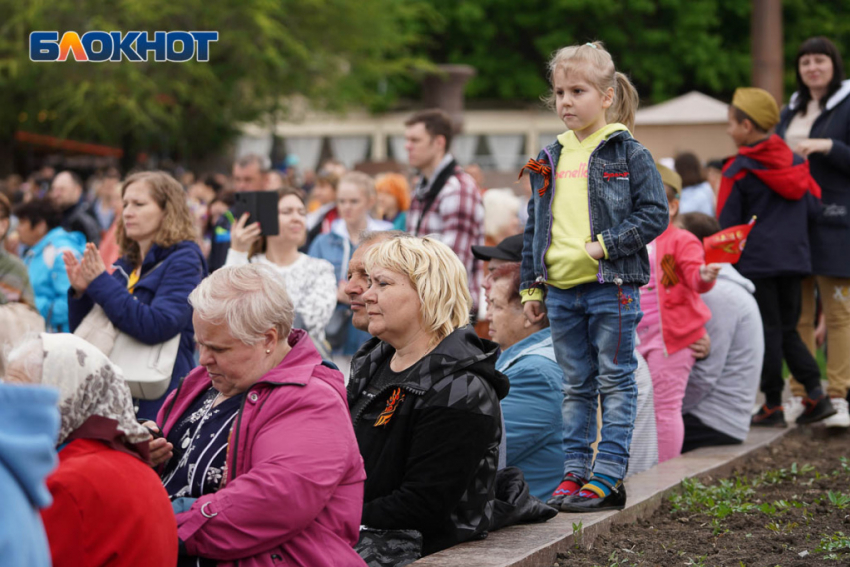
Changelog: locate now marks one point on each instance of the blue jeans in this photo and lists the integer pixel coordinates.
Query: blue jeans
(593, 331)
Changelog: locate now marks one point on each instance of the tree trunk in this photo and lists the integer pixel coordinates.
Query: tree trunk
(767, 48)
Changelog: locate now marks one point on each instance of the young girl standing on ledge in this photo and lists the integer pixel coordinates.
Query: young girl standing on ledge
(597, 201)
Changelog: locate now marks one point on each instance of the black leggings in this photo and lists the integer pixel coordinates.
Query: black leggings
(779, 300)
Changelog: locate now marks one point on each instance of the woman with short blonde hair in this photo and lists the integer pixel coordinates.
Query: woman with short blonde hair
(436, 274)
(258, 454)
(425, 377)
(147, 295)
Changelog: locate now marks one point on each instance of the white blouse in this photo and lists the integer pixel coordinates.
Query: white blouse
(800, 127)
(310, 282)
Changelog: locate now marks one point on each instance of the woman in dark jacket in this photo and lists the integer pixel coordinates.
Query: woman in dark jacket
(816, 125)
(147, 294)
(424, 396)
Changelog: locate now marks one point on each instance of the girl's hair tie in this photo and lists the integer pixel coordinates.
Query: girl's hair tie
(593, 45)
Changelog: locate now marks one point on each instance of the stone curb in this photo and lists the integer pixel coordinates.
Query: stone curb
(537, 545)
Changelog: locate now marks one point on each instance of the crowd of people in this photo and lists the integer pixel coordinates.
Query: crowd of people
(359, 387)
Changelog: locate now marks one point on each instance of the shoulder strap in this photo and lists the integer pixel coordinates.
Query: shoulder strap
(435, 189)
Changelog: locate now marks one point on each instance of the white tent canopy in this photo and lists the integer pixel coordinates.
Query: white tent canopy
(691, 108)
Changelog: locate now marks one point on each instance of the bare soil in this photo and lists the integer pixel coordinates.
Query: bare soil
(785, 506)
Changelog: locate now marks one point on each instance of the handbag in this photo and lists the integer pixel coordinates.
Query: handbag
(147, 368)
(388, 548)
(514, 504)
(97, 329)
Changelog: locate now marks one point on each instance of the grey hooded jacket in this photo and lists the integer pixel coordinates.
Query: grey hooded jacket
(722, 388)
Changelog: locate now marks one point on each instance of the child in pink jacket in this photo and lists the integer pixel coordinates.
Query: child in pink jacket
(674, 318)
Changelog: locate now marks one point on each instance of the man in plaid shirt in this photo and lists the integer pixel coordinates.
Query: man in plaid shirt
(446, 202)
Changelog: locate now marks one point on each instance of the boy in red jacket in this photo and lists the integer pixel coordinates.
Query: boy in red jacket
(674, 317)
(765, 179)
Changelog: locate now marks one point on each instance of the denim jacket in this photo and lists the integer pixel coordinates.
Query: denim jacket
(627, 205)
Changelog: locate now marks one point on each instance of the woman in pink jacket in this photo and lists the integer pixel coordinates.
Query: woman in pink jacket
(674, 317)
(259, 455)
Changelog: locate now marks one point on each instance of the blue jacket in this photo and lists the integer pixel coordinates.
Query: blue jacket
(629, 214)
(48, 276)
(157, 309)
(29, 423)
(532, 411)
(830, 234)
(331, 247)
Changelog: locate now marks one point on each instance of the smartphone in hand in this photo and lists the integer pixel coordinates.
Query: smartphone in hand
(261, 207)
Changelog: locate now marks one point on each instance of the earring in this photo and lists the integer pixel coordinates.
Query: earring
(268, 351)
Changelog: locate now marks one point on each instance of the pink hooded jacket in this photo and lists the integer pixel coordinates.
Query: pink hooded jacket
(678, 257)
(294, 490)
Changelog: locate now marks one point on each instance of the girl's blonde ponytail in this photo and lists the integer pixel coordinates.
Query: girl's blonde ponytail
(625, 103)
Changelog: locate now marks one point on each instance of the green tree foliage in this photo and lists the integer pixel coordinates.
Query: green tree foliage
(667, 47)
(804, 19)
(334, 52)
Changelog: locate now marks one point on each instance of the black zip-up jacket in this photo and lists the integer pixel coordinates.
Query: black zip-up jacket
(432, 467)
(830, 235)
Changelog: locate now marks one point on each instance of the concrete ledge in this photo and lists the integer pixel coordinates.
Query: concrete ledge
(537, 545)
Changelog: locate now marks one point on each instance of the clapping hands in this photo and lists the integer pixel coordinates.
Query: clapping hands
(81, 274)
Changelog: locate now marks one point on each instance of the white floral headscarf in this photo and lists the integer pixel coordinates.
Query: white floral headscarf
(91, 386)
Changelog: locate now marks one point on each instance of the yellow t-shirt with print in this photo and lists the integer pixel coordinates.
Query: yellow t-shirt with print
(567, 262)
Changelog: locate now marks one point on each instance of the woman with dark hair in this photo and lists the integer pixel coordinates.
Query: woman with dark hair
(147, 295)
(697, 194)
(310, 282)
(816, 125)
(49, 247)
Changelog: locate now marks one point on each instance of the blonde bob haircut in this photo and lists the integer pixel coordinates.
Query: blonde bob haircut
(594, 64)
(177, 224)
(437, 275)
(250, 300)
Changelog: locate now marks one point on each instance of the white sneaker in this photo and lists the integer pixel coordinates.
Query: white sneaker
(793, 408)
(842, 417)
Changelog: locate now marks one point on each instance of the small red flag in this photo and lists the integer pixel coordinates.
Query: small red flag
(727, 245)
